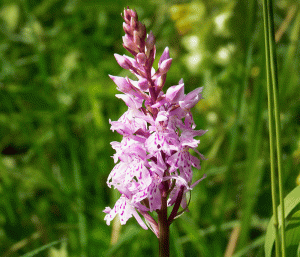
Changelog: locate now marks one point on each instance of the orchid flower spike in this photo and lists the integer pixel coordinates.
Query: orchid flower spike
(154, 166)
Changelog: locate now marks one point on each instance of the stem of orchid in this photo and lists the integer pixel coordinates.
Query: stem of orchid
(163, 223)
(176, 206)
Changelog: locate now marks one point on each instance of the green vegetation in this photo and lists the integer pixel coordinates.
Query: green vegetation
(56, 100)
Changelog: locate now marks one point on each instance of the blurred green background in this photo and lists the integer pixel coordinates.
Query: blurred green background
(56, 99)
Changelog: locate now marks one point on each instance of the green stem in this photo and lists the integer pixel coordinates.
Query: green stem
(82, 224)
(273, 105)
(271, 130)
(273, 67)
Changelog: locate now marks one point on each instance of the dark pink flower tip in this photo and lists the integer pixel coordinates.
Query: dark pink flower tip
(128, 14)
(133, 13)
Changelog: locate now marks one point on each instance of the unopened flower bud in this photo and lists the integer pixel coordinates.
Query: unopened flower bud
(141, 58)
(143, 84)
(133, 14)
(123, 61)
(133, 23)
(165, 66)
(165, 55)
(136, 38)
(122, 83)
(150, 41)
(127, 28)
(127, 15)
(141, 30)
(130, 44)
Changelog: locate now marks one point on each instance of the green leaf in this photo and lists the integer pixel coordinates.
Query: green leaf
(130, 234)
(40, 249)
(62, 252)
(293, 234)
(290, 202)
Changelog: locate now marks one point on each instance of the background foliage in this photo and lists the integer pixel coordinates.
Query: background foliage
(56, 99)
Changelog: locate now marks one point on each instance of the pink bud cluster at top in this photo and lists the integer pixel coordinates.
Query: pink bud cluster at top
(153, 158)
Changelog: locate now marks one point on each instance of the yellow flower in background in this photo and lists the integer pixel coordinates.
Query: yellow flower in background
(212, 94)
(298, 180)
(185, 15)
(296, 157)
(62, 252)
(10, 14)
